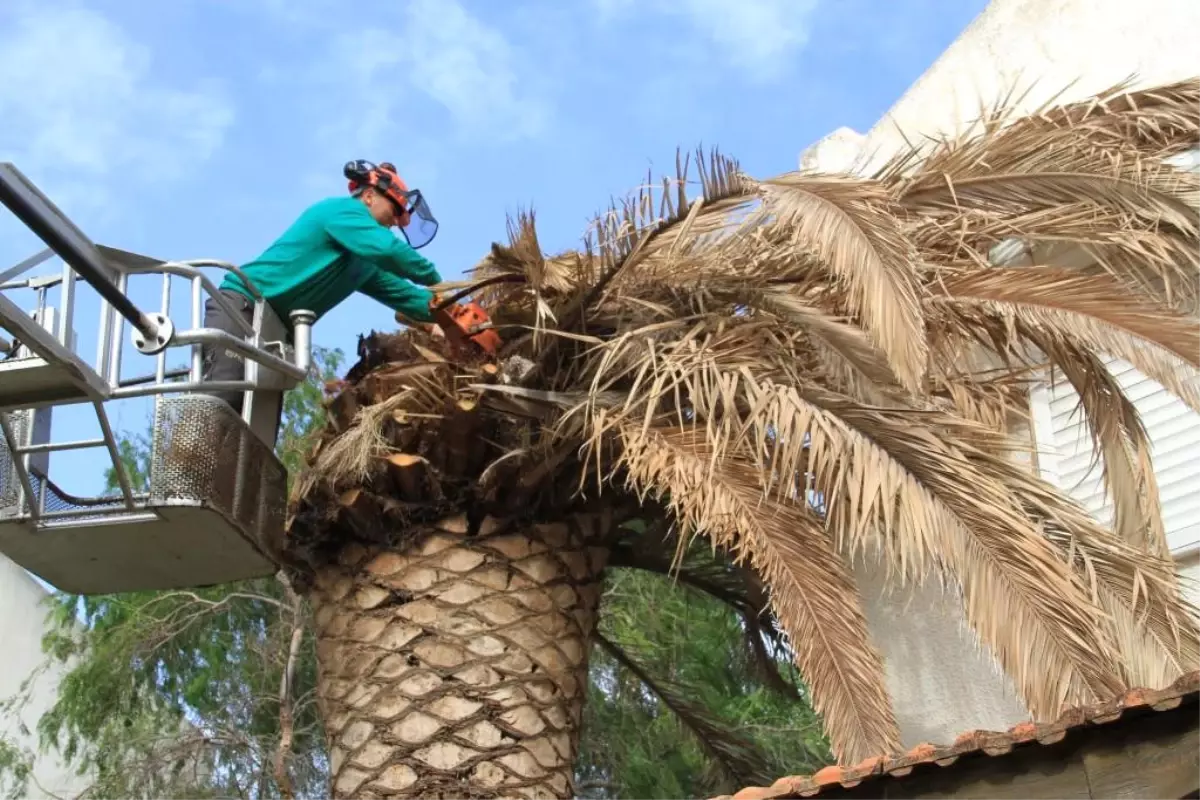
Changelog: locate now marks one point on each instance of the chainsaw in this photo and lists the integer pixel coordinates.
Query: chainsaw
(466, 325)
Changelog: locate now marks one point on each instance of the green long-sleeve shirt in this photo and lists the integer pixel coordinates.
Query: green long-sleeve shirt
(336, 248)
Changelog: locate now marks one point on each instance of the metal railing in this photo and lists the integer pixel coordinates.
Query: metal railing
(42, 353)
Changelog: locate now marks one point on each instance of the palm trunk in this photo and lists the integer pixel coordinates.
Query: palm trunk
(457, 665)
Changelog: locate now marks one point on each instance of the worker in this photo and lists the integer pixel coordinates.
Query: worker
(338, 246)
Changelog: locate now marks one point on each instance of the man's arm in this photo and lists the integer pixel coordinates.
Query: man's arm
(355, 229)
(399, 295)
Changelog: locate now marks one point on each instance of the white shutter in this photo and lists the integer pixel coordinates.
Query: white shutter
(1174, 432)
(1066, 455)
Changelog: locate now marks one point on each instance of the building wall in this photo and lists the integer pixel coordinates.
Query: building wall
(940, 680)
(941, 683)
(1189, 568)
(1045, 49)
(22, 625)
(1067, 458)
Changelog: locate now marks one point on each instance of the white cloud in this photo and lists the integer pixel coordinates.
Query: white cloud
(80, 98)
(468, 67)
(434, 50)
(756, 36)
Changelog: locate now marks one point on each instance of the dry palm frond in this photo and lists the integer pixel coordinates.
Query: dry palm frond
(1144, 585)
(853, 229)
(1158, 121)
(1017, 596)
(1121, 445)
(1089, 175)
(810, 585)
(997, 404)
(806, 367)
(1152, 623)
(1056, 305)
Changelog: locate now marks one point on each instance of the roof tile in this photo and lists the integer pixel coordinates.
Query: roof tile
(993, 743)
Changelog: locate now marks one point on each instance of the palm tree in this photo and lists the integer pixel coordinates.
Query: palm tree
(799, 371)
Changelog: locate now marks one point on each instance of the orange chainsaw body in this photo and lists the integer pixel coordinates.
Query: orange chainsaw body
(465, 323)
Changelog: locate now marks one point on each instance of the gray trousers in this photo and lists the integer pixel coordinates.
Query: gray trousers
(220, 364)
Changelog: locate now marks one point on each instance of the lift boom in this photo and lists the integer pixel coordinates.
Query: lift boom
(213, 501)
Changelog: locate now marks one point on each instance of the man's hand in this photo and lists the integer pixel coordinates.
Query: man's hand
(428, 327)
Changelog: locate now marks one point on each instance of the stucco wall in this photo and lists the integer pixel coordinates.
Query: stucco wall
(941, 679)
(940, 682)
(1047, 49)
(22, 624)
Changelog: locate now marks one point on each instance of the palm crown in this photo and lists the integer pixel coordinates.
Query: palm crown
(814, 368)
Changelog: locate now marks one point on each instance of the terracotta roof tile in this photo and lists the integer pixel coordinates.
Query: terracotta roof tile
(993, 743)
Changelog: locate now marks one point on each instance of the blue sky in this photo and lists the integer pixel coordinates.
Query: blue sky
(201, 128)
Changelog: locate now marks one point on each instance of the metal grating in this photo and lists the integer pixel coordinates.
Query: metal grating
(55, 500)
(90, 509)
(204, 454)
(10, 484)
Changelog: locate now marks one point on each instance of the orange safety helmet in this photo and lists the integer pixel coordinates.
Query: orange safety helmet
(417, 222)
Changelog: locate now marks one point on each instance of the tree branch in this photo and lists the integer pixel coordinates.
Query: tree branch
(286, 718)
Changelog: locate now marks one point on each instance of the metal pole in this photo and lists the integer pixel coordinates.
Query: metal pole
(302, 322)
(161, 370)
(44, 219)
(115, 344)
(113, 453)
(66, 309)
(197, 315)
(25, 265)
(54, 447)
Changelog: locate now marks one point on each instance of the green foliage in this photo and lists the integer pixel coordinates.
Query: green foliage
(693, 649)
(176, 693)
(15, 770)
(134, 450)
(303, 411)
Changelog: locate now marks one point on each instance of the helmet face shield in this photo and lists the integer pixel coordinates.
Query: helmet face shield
(422, 225)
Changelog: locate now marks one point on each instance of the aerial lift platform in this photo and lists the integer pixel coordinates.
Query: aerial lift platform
(215, 495)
